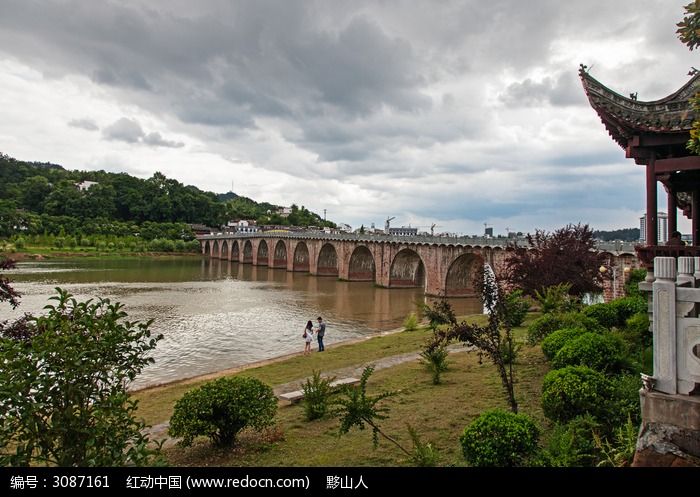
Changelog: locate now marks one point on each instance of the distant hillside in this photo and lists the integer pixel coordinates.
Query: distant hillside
(43, 198)
(625, 235)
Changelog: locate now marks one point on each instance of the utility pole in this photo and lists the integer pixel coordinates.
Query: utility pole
(324, 214)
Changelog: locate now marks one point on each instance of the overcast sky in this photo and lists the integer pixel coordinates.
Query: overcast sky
(449, 112)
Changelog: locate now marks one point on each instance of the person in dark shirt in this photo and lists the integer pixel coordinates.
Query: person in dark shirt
(321, 331)
(675, 240)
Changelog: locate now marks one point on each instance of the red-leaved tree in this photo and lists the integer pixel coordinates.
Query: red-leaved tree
(568, 255)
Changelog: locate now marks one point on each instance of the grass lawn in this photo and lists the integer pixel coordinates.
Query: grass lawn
(438, 413)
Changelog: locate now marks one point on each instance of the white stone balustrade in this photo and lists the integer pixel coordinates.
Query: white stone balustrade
(675, 325)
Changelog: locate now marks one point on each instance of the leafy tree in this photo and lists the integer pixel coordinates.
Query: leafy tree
(689, 33)
(489, 339)
(317, 392)
(440, 313)
(63, 386)
(568, 255)
(7, 292)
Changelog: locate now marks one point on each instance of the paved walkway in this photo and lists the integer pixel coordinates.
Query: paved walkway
(160, 431)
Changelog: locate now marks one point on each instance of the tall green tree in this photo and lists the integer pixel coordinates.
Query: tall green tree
(689, 33)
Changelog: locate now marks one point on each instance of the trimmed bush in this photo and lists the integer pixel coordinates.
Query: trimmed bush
(617, 312)
(636, 330)
(546, 324)
(602, 352)
(220, 409)
(499, 438)
(574, 391)
(557, 339)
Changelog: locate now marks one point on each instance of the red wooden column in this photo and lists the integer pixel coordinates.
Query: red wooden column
(652, 233)
(672, 214)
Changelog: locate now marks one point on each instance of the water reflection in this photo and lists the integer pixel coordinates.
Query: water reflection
(218, 314)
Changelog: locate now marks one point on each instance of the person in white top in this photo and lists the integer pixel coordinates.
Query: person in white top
(308, 337)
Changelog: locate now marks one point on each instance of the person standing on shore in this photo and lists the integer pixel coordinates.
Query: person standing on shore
(320, 333)
(308, 337)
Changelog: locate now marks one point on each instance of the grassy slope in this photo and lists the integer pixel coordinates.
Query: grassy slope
(439, 413)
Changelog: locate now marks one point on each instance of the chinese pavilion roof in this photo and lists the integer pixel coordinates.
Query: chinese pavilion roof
(625, 117)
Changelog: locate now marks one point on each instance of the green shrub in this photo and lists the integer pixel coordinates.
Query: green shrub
(317, 392)
(546, 324)
(85, 242)
(424, 454)
(516, 307)
(605, 314)
(556, 299)
(179, 246)
(411, 322)
(19, 242)
(220, 409)
(632, 286)
(574, 391)
(435, 361)
(63, 386)
(616, 312)
(624, 402)
(499, 438)
(599, 351)
(557, 339)
(573, 444)
(636, 331)
(619, 452)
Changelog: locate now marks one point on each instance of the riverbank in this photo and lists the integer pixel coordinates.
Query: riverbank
(439, 413)
(44, 253)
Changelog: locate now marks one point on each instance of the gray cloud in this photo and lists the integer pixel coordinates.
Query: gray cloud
(130, 131)
(84, 123)
(123, 129)
(156, 140)
(562, 91)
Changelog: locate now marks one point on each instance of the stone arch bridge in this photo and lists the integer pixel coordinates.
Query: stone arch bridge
(441, 266)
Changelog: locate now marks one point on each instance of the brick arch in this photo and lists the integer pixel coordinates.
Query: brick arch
(235, 251)
(301, 257)
(247, 256)
(279, 256)
(459, 280)
(327, 264)
(206, 248)
(215, 249)
(263, 254)
(361, 266)
(224, 253)
(407, 270)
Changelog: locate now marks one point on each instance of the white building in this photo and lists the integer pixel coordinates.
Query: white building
(243, 226)
(85, 185)
(661, 227)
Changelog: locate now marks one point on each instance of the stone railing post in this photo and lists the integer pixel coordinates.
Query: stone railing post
(664, 324)
(686, 267)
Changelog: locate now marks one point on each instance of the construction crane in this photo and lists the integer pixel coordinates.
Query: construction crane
(386, 224)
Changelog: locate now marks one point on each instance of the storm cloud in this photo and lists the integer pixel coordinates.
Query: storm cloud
(460, 111)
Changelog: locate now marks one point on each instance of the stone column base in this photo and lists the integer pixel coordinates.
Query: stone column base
(670, 433)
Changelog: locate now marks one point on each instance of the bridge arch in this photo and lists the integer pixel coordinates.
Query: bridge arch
(215, 249)
(279, 257)
(361, 266)
(407, 270)
(327, 261)
(224, 250)
(301, 257)
(460, 278)
(235, 251)
(247, 252)
(206, 248)
(263, 254)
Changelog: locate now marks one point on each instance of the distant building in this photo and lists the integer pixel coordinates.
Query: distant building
(488, 232)
(242, 226)
(85, 185)
(201, 229)
(344, 228)
(284, 211)
(403, 231)
(661, 227)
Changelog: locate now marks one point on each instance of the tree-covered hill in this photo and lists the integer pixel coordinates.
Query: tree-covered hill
(38, 198)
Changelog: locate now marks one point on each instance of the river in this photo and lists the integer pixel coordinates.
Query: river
(214, 314)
